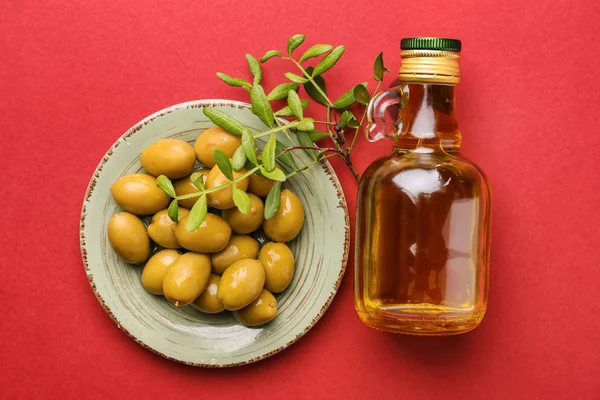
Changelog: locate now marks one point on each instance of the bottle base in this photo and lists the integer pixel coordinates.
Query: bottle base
(441, 323)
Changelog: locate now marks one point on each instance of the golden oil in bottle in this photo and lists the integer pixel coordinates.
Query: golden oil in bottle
(424, 210)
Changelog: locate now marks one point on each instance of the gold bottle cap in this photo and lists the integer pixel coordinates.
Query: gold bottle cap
(430, 66)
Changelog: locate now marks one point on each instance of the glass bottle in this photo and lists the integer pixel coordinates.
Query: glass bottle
(424, 211)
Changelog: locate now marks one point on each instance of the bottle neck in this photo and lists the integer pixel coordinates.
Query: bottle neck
(428, 118)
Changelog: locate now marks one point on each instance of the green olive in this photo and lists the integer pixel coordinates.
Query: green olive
(162, 229)
(212, 139)
(186, 278)
(127, 236)
(260, 186)
(156, 268)
(278, 261)
(208, 301)
(259, 312)
(246, 223)
(210, 237)
(286, 224)
(238, 248)
(223, 199)
(173, 158)
(186, 186)
(138, 194)
(241, 284)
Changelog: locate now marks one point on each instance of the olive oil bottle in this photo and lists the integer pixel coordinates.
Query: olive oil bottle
(424, 210)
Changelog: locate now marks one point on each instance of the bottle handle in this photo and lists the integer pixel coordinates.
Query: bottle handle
(379, 126)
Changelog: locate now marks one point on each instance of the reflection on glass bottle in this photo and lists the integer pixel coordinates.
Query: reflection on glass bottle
(423, 219)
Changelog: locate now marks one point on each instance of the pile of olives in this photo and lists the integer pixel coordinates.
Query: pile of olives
(221, 265)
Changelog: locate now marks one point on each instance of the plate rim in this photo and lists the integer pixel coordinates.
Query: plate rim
(329, 172)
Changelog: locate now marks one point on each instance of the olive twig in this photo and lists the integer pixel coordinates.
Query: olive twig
(217, 188)
(338, 115)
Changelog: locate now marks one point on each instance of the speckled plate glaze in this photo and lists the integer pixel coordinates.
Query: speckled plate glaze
(186, 335)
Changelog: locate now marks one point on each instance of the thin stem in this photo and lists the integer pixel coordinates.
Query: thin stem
(331, 134)
(286, 132)
(328, 117)
(325, 123)
(310, 164)
(310, 78)
(292, 124)
(220, 187)
(308, 148)
(351, 166)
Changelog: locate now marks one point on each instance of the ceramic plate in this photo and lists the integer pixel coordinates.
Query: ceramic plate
(185, 334)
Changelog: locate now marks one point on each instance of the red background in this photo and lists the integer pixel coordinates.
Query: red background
(74, 75)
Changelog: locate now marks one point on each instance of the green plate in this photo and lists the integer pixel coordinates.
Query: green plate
(187, 335)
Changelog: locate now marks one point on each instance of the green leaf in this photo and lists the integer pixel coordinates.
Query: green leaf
(173, 211)
(295, 104)
(268, 153)
(198, 180)
(312, 90)
(286, 159)
(239, 159)
(379, 69)
(328, 61)
(344, 118)
(254, 68)
(287, 111)
(295, 78)
(281, 91)
(304, 140)
(307, 124)
(224, 120)
(241, 200)
(347, 99)
(197, 214)
(270, 54)
(249, 146)
(315, 51)
(294, 42)
(275, 175)
(261, 106)
(273, 201)
(237, 82)
(353, 123)
(348, 119)
(361, 94)
(316, 135)
(166, 185)
(223, 163)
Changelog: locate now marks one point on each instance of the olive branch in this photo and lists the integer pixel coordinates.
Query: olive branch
(300, 130)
